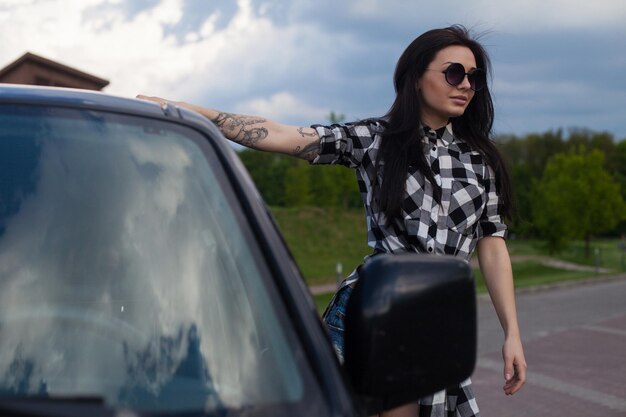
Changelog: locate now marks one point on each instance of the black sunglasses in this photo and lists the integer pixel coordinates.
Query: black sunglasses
(455, 74)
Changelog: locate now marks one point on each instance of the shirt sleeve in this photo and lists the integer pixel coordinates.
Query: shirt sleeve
(344, 144)
(490, 222)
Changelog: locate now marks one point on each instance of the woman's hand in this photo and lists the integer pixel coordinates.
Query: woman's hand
(159, 100)
(514, 365)
(162, 102)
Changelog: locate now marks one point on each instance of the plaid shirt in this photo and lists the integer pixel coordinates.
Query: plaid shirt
(469, 203)
(468, 211)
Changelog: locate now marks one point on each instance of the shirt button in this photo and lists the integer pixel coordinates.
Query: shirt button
(434, 148)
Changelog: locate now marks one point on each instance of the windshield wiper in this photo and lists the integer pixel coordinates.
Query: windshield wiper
(55, 406)
(73, 399)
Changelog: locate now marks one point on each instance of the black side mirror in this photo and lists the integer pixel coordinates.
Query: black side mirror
(410, 328)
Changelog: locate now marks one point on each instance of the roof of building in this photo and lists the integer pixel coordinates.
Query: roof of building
(30, 57)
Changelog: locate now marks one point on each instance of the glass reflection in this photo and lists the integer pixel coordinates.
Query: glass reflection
(124, 273)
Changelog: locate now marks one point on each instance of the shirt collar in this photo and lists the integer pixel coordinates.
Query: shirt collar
(443, 133)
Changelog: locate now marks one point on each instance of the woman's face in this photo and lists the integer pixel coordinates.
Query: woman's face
(440, 101)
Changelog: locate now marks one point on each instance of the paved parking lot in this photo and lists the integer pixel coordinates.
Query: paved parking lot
(575, 345)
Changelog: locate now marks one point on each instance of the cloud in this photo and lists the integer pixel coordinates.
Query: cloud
(152, 50)
(282, 106)
(540, 105)
(531, 15)
(514, 15)
(249, 53)
(105, 43)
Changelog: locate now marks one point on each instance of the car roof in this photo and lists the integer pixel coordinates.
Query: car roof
(96, 100)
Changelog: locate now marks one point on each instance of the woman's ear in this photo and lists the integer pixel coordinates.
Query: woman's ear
(418, 85)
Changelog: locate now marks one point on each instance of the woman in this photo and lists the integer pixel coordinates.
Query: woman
(431, 180)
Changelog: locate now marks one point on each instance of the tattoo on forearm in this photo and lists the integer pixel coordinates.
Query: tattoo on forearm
(306, 134)
(308, 152)
(240, 128)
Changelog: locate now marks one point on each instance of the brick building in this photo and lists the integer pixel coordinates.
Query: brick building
(36, 70)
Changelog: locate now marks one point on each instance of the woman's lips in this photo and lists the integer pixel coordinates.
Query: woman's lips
(459, 100)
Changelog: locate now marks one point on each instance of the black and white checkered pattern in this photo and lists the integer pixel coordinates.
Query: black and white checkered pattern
(469, 203)
(467, 212)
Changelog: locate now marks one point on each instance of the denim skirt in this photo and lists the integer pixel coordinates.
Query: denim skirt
(334, 317)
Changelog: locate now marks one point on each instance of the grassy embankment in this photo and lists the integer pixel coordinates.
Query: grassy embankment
(321, 238)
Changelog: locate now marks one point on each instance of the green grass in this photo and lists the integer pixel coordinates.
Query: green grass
(531, 273)
(320, 238)
(525, 247)
(609, 254)
(322, 300)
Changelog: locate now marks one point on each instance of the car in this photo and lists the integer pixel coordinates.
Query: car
(141, 273)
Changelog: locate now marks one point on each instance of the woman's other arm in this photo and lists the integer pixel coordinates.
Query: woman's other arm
(495, 265)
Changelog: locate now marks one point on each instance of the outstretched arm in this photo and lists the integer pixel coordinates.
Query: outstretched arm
(495, 264)
(257, 132)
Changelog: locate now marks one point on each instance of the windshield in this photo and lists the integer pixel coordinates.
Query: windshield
(126, 271)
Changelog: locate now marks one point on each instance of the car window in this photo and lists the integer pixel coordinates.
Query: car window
(127, 271)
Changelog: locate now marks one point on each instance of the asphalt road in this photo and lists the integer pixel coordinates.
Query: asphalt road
(575, 345)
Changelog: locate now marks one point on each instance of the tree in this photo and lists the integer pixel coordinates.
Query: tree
(268, 171)
(324, 187)
(336, 117)
(618, 163)
(522, 179)
(349, 195)
(526, 158)
(618, 159)
(297, 189)
(576, 198)
(589, 139)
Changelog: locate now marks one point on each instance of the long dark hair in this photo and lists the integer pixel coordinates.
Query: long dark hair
(401, 143)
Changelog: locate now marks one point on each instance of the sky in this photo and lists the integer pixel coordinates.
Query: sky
(557, 64)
